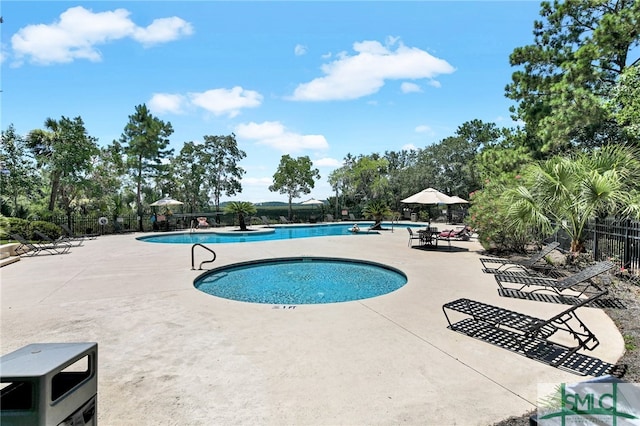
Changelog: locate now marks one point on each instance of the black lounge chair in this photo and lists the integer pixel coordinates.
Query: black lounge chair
(530, 336)
(265, 221)
(73, 236)
(579, 282)
(61, 240)
(27, 248)
(520, 267)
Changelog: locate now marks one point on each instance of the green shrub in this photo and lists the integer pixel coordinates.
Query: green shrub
(15, 225)
(488, 216)
(49, 229)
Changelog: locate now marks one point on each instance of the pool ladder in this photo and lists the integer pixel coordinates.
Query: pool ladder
(193, 247)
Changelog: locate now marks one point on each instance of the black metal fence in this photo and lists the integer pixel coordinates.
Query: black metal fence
(616, 240)
(610, 239)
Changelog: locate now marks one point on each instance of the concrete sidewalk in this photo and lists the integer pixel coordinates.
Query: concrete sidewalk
(172, 355)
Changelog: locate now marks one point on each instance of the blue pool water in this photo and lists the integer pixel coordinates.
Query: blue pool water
(279, 233)
(301, 280)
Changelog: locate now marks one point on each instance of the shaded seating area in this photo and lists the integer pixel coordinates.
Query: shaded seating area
(535, 338)
(531, 266)
(28, 248)
(575, 285)
(426, 237)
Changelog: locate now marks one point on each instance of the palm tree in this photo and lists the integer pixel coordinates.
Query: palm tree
(569, 191)
(242, 209)
(377, 210)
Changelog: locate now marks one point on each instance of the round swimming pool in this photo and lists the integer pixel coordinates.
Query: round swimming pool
(301, 280)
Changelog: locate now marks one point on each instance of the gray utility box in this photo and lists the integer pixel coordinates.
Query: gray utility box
(50, 384)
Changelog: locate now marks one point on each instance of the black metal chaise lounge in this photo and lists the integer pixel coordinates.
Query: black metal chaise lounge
(73, 236)
(578, 283)
(27, 248)
(519, 267)
(60, 241)
(531, 336)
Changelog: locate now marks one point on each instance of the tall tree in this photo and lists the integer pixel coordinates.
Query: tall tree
(145, 140)
(66, 152)
(222, 156)
(580, 49)
(17, 170)
(189, 169)
(294, 177)
(625, 102)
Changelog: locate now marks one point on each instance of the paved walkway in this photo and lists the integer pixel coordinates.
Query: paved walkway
(172, 355)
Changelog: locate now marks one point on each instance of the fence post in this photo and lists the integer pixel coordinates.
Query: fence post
(626, 263)
(595, 239)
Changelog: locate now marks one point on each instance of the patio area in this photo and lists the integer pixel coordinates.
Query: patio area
(172, 355)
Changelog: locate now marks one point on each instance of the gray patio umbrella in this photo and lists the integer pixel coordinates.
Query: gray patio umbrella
(429, 196)
(312, 202)
(458, 200)
(166, 201)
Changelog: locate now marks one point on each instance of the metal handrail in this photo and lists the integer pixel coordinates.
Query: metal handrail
(193, 247)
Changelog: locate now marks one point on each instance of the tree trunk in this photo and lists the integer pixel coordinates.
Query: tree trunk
(55, 185)
(241, 222)
(139, 191)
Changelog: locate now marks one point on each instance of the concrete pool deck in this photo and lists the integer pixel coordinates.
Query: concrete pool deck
(172, 355)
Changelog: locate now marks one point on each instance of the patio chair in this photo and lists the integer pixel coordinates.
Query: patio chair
(578, 283)
(265, 221)
(460, 234)
(62, 240)
(520, 267)
(531, 336)
(284, 220)
(412, 237)
(329, 218)
(73, 236)
(27, 248)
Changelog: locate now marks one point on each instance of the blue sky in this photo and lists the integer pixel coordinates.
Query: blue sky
(314, 78)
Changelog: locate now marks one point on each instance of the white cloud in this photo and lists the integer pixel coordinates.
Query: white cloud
(226, 101)
(409, 147)
(410, 88)
(163, 30)
(327, 162)
(352, 77)
(423, 129)
(276, 135)
(435, 83)
(261, 182)
(162, 103)
(300, 50)
(79, 31)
